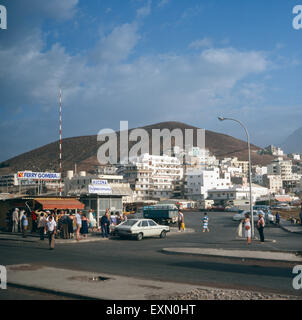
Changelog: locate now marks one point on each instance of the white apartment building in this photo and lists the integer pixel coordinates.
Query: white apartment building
(152, 177)
(257, 175)
(237, 193)
(273, 182)
(198, 182)
(235, 163)
(281, 167)
(294, 156)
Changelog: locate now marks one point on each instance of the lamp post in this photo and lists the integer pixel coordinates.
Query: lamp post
(250, 168)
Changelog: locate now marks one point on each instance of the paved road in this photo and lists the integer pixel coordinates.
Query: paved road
(144, 259)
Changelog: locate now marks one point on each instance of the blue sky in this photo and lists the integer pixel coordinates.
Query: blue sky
(148, 62)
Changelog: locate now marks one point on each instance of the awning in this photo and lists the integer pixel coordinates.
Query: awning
(64, 204)
(283, 198)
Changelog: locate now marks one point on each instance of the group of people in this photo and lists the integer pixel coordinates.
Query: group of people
(107, 220)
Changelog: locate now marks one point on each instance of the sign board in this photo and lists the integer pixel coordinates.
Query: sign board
(99, 189)
(26, 175)
(99, 182)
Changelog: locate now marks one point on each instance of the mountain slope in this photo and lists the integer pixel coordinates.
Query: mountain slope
(83, 151)
(293, 143)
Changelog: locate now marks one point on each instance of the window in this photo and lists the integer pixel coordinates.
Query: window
(152, 223)
(145, 224)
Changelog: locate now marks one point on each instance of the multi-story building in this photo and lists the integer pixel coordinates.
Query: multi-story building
(198, 182)
(257, 174)
(152, 177)
(281, 167)
(237, 193)
(273, 182)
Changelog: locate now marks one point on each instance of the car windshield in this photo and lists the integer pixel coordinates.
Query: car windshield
(130, 223)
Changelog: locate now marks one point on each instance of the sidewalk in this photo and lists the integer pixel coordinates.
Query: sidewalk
(91, 285)
(92, 237)
(290, 227)
(239, 254)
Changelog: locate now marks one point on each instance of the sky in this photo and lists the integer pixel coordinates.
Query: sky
(148, 61)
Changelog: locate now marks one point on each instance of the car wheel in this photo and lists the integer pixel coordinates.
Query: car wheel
(139, 237)
(163, 234)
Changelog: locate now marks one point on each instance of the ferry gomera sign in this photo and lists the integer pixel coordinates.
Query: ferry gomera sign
(25, 175)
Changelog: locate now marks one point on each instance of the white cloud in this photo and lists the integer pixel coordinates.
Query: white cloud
(144, 11)
(118, 45)
(201, 43)
(163, 3)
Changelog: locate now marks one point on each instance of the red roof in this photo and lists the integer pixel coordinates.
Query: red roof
(50, 204)
(283, 198)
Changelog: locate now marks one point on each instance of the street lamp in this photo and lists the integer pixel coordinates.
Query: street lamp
(250, 168)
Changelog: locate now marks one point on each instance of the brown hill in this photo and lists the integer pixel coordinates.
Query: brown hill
(83, 151)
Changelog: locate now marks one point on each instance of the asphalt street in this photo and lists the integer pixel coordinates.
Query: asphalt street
(144, 259)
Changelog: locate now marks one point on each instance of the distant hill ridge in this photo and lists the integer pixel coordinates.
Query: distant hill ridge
(83, 151)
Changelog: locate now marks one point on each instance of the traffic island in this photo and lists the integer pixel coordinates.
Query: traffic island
(238, 254)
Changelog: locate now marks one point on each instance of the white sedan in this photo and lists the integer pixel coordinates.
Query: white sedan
(241, 216)
(140, 228)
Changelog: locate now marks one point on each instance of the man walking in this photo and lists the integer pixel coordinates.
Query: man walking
(260, 227)
(15, 220)
(51, 226)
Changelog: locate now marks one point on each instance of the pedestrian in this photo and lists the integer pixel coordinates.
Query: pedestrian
(70, 226)
(41, 225)
(65, 225)
(205, 222)
(78, 219)
(260, 227)
(104, 225)
(92, 220)
(15, 220)
(24, 224)
(247, 228)
(33, 222)
(181, 221)
(21, 214)
(277, 218)
(108, 214)
(84, 228)
(118, 218)
(51, 226)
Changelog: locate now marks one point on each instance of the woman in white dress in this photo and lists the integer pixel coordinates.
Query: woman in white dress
(247, 228)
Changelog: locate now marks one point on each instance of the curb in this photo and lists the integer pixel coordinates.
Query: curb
(287, 230)
(50, 291)
(168, 251)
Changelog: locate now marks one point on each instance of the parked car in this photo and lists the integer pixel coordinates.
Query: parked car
(267, 216)
(141, 228)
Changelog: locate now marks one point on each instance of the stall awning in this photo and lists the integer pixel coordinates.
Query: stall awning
(50, 204)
